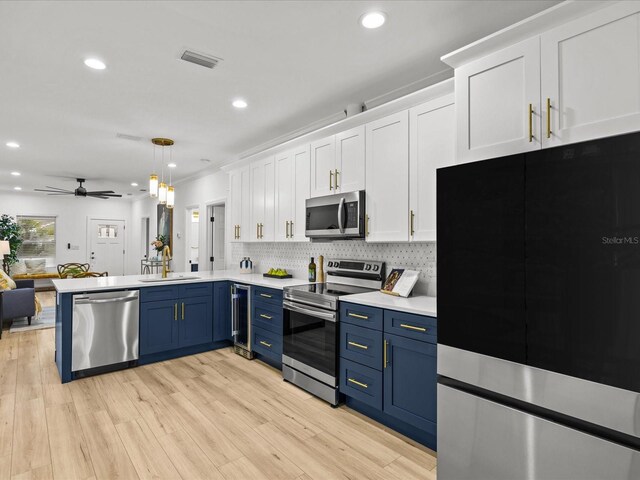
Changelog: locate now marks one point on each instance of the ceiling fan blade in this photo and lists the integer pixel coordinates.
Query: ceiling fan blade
(99, 196)
(57, 188)
(100, 192)
(61, 192)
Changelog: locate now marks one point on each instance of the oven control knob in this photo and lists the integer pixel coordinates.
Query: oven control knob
(367, 267)
(376, 268)
(336, 264)
(329, 264)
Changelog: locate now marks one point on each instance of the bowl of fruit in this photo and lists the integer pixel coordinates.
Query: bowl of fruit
(277, 273)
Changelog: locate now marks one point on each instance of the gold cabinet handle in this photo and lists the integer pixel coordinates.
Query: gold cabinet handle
(355, 315)
(286, 229)
(530, 122)
(257, 230)
(336, 179)
(366, 225)
(411, 327)
(175, 311)
(359, 345)
(411, 217)
(385, 359)
(268, 345)
(291, 227)
(262, 315)
(261, 230)
(238, 232)
(548, 118)
(182, 310)
(363, 385)
(266, 295)
(330, 180)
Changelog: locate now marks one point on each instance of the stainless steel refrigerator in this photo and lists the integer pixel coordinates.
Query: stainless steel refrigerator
(539, 315)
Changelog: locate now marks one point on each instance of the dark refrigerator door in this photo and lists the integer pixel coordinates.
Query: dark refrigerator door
(481, 257)
(583, 260)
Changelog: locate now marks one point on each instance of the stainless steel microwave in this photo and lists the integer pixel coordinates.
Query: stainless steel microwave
(336, 216)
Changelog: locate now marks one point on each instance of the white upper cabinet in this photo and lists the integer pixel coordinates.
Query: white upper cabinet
(302, 166)
(498, 98)
(591, 76)
(292, 173)
(284, 195)
(349, 171)
(323, 164)
(240, 199)
(387, 179)
(431, 146)
(262, 201)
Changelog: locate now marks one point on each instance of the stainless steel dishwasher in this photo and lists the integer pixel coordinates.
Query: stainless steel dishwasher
(105, 329)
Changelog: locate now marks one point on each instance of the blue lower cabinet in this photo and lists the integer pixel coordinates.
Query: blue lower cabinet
(410, 381)
(362, 345)
(362, 316)
(158, 326)
(267, 343)
(267, 295)
(360, 382)
(221, 311)
(418, 327)
(267, 316)
(196, 321)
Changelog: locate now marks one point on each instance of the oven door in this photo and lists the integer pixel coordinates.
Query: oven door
(335, 216)
(310, 341)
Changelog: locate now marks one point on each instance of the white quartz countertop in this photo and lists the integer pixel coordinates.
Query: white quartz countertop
(419, 304)
(73, 285)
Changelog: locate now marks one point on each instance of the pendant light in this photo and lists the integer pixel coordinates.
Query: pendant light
(162, 186)
(171, 196)
(153, 178)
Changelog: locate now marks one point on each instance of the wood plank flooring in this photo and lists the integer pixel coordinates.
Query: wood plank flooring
(212, 416)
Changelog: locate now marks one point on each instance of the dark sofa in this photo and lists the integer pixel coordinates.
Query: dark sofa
(18, 303)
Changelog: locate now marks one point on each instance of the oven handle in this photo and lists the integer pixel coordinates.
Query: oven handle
(311, 311)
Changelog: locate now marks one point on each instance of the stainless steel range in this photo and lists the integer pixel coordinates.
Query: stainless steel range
(311, 320)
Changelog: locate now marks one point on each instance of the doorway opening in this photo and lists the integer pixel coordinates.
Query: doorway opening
(215, 237)
(145, 243)
(192, 239)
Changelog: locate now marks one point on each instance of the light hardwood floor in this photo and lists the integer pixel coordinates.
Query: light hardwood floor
(213, 415)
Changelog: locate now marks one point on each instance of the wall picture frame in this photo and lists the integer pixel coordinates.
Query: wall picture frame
(165, 223)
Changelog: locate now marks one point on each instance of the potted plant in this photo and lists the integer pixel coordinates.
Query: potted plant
(10, 230)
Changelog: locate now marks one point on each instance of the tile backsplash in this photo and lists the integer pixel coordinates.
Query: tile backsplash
(295, 257)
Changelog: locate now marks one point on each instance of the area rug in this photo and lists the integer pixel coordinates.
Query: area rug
(47, 319)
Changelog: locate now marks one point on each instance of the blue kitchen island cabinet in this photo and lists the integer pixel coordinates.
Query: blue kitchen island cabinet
(266, 325)
(388, 368)
(221, 311)
(158, 331)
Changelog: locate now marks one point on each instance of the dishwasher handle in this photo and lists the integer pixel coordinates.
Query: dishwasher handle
(85, 301)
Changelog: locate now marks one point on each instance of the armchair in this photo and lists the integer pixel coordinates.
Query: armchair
(17, 303)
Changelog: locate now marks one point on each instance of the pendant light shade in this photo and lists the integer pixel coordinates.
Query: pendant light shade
(162, 193)
(171, 197)
(153, 185)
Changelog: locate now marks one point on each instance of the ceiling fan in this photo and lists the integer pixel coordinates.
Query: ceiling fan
(80, 191)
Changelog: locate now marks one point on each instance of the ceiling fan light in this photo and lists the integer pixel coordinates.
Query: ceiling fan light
(162, 193)
(153, 185)
(171, 197)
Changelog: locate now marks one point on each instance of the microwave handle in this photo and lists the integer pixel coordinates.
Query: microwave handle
(340, 219)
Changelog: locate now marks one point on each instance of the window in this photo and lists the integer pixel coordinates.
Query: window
(38, 237)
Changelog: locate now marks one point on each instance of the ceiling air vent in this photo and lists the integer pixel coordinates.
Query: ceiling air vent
(126, 136)
(199, 59)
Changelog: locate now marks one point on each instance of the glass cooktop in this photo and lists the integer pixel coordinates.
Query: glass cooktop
(330, 289)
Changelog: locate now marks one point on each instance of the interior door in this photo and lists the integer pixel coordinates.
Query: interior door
(431, 146)
(106, 240)
(591, 76)
(493, 96)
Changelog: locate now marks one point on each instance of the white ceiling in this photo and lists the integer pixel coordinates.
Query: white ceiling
(295, 62)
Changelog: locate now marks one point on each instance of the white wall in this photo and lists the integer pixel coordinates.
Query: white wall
(71, 215)
(199, 192)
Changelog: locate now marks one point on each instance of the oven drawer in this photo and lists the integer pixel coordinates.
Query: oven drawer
(360, 382)
(413, 326)
(361, 345)
(361, 315)
(267, 317)
(267, 343)
(270, 296)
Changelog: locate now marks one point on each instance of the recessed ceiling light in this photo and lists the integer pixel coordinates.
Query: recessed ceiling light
(17, 188)
(13, 145)
(171, 165)
(373, 19)
(239, 103)
(15, 174)
(95, 64)
(134, 184)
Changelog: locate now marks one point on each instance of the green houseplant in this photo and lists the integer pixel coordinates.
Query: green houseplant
(10, 230)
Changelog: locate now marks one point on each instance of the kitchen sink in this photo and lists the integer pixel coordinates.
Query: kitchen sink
(168, 279)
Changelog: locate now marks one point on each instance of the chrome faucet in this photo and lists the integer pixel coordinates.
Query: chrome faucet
(166, 256)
